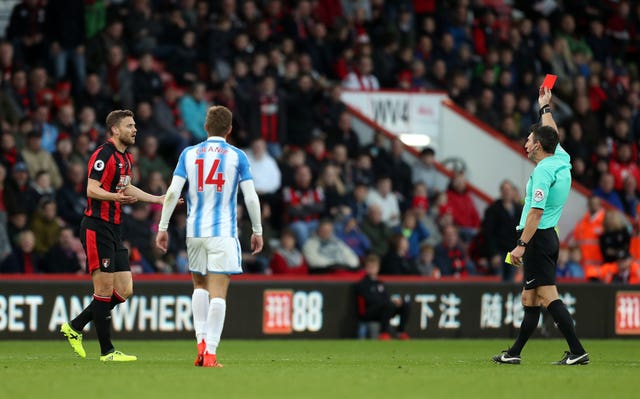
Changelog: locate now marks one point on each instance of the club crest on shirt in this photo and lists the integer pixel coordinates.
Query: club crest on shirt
(105, 263)
(538, 195)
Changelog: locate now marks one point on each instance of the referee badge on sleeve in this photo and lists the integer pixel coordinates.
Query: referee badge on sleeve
(538, 195)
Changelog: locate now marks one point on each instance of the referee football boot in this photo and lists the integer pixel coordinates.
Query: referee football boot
(505, 358)
(570, 359)
(117, 356)
(74, 338)
(200, 358)
(210, 360)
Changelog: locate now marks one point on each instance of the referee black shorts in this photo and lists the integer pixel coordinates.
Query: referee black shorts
(540, 259)
(103, 246)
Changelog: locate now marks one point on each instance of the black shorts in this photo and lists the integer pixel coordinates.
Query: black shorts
(540, 259)
(103, 246)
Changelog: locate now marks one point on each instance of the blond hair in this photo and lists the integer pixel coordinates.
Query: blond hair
(218, 122)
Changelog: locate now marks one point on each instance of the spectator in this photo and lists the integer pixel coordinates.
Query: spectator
(118, 83)
(586, 237)
(71, 197)
(99, 45)
(362, 78)
(397, 260)
(568, 265)
(23, 259)
(93, 95)
(353, 236)
(27, 31)
(616, 236)
(67, 39)
(62, 256)
(183, 62)
(149, 160)
(287, 259)
(426, 172)
(335, 194)
(301, 104)
(326, 253)
(375, 303)
(141, 27)
(45, 225)
(343, 134)
(414, 231)
(624, 270)
(605, 190)
(420, 208)
(465, 214)
(385, 199)
(378, 233)
(167, 121)
(146, 83)
(62, 155)
(38, 159)
(193, 110)
(425, 265)
(451, 256)
(268, 116)
(624, 166)
(21, 97)
(9, 153)
(87, 124)
(48, 131)
(303, 204)
(357, 202)
(498, 228)
(266, 173)
(400, 171)
(629, 196)
(363, 170)
(40, 188)
(5, 242)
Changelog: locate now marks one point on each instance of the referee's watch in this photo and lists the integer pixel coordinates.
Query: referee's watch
(521, 243)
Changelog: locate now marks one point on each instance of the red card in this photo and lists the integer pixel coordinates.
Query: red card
(549, 81)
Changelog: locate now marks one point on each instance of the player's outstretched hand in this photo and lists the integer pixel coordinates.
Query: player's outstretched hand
(162, 241)
(256, 244)
(123, 198)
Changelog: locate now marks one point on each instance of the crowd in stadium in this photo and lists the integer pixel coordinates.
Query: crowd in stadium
(280, 66)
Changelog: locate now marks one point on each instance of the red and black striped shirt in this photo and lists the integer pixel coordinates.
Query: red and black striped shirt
(112, 169)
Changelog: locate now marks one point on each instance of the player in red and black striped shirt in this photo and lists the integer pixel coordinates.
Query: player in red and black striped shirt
(108, 188)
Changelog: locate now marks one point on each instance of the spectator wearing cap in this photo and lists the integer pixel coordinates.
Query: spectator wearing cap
(38, 159)
(386, 200)
(16, 192)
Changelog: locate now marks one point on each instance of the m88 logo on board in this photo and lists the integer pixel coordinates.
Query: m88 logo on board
(628, 313)
(286, 311)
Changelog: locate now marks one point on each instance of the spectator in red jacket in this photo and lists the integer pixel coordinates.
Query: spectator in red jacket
(465, 214)
(287, 259)
(623, 166)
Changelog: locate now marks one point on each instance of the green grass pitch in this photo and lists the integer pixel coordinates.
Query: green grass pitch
(319, 369)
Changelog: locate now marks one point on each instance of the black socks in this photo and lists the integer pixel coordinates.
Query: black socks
(101, 311)
(564, 322)
(528, 326)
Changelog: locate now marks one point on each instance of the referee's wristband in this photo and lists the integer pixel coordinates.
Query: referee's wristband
(544, 110)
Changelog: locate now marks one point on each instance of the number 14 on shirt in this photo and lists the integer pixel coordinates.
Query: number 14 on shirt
(212, 178)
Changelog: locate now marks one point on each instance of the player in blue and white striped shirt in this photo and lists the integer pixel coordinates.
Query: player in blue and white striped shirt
(214, 170)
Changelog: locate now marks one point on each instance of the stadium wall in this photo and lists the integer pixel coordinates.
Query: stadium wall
(314, 308)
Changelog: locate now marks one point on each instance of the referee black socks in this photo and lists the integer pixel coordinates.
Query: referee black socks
(528, 326)
(564, 322)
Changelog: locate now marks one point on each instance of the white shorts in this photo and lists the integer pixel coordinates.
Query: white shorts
(214, 255)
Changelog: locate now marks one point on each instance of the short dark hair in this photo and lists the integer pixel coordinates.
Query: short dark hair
(547, 136)
(116, 116)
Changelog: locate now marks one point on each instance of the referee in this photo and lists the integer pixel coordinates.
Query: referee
(108, 188)
(537, 249)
